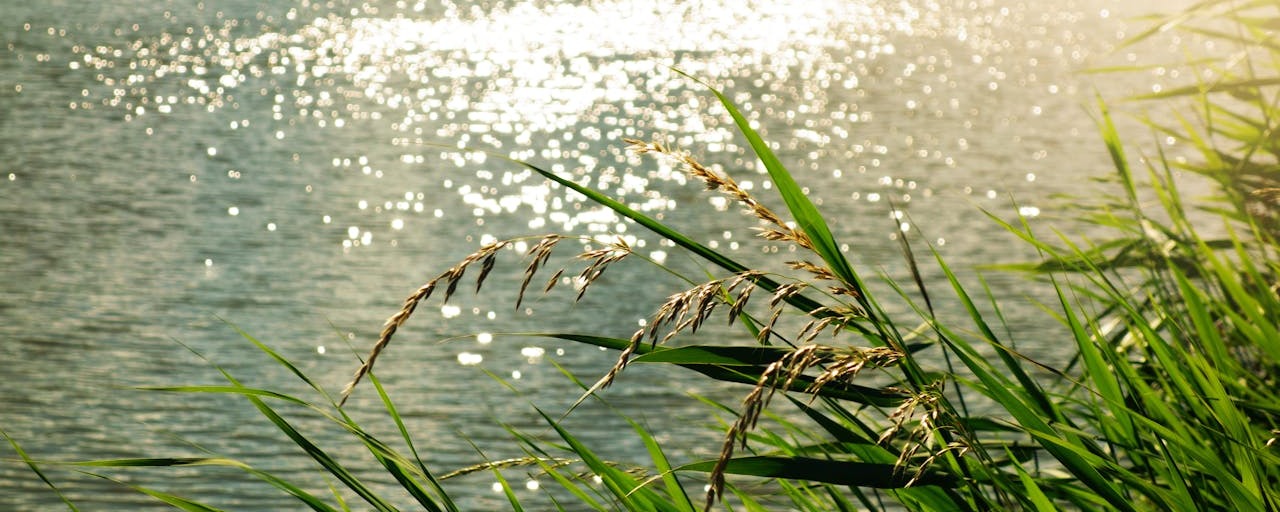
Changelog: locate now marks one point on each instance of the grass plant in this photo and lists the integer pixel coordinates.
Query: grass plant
(1170, 403)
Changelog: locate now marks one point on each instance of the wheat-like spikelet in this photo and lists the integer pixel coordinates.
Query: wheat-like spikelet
(674, 311)
(767, 331)
(685, 311)
(933, 420)
(843, 365)
(847, 363)
(1269, 194)
(785, 292)
(538, 255)
(821, 273)
(780, 230)
(740, 302)
(834, 318)
(600, 260)
(551, 462)
(485, 255)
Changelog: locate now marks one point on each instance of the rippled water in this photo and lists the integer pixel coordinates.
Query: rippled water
(172, 171)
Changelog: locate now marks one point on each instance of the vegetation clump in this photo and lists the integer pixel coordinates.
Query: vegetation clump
(1170, 401)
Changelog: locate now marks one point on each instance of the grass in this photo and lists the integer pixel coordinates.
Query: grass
(1169, 403)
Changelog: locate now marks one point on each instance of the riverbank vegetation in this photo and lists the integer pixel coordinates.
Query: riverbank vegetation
(855, 392)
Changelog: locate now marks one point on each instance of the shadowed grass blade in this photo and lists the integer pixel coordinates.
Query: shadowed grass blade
(716, 355)
(741, 372)
(860, 474)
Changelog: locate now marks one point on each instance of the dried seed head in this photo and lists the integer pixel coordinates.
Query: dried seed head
(1269, 194)
(551, 283)
(933, 421)
(847, 363)
(454, 276)
(388, 330)
(779, 374)
(785, 292)
(601, 259)
(623, 359)
(485, 254)
(545, 462)
(740, 303)
(786, 234)
(818, 272)
(926, 399)
(538, 254)
(844, 290)
(485, 267)
(722, 182)
(767, 330)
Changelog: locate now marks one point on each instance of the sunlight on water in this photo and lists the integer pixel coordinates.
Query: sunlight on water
(561, 83)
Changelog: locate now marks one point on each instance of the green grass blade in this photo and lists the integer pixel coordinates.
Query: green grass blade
(319, 455)
(508, 492)
(314, 451)
(861, 474)
(880, 397)
(1035, 494)
(550, 467)
(744, 374)
(802, 209)
(283, 362)
(232, 390)
(1227, 87)
(170, 499)
(310, 500)
(625, 488)
(716, 355)
(35, 468)
(404, 434)
(675, 491)
(1066, 449)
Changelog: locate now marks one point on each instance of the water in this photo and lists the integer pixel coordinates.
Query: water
(172, 171)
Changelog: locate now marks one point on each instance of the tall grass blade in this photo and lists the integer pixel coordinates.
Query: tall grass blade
(35, 468)
(675, 491)
(860, 474)
(508, 491)
(175, 501)
(739, 372)
(630, 492)
(307, 498)
(408, 439)
(802, 209)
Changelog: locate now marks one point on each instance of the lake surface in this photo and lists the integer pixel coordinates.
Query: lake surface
(172, 171)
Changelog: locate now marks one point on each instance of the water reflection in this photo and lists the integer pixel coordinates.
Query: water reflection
(553, 80)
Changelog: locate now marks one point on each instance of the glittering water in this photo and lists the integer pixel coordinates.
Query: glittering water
(178, 170)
